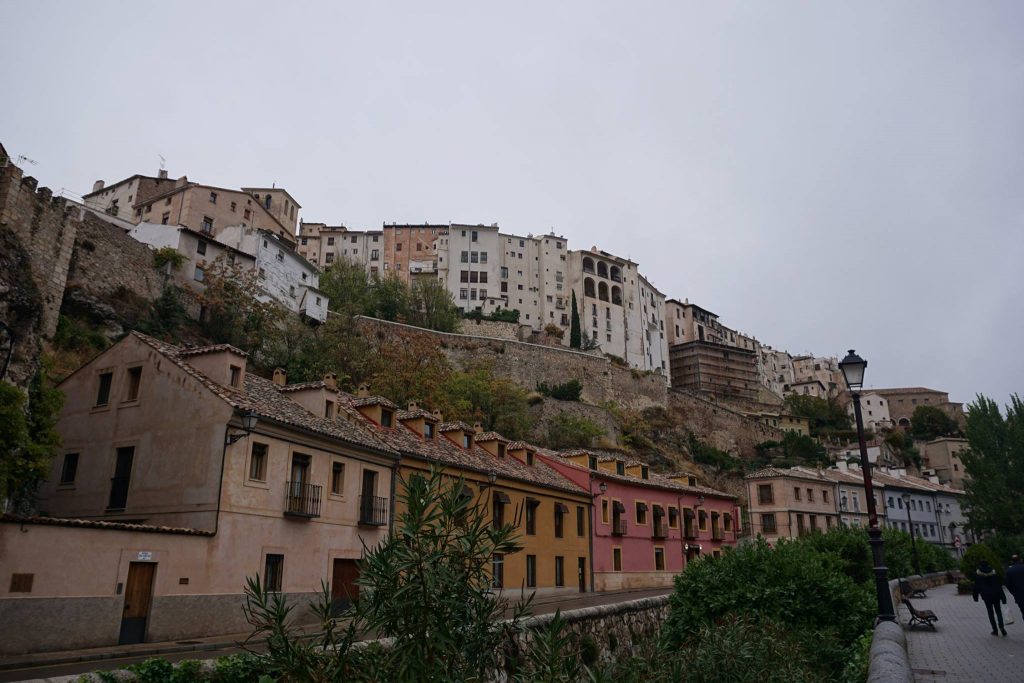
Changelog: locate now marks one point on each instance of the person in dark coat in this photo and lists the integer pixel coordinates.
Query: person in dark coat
(990, 588)
(1015, 582)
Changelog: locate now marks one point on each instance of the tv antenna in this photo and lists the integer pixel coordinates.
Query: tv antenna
(163, 162)
(24, 159)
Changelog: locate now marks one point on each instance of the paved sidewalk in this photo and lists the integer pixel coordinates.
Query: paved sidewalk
(962, 649)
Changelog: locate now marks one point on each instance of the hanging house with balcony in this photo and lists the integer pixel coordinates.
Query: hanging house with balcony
(180, 475)
(646, 526)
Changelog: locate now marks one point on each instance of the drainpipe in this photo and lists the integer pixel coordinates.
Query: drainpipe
(590, 523)
(391, 511)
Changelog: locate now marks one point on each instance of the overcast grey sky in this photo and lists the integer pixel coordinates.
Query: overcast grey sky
(821, 175)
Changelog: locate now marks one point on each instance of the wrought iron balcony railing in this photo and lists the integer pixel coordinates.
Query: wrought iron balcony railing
(373, 510)
(302, 500)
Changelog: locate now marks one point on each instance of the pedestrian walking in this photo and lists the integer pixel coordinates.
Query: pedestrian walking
(990, 588)
(1015, 581)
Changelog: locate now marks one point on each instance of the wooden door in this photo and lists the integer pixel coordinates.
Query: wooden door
(344, 589)
(138, 594)
(582, 572)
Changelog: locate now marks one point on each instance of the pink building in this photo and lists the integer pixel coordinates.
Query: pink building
(646, 526)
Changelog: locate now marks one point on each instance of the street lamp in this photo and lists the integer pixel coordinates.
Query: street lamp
(913, 540)
(853, 372)
(249, 420)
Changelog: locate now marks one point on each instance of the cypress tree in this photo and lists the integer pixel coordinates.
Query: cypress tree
(575, 339)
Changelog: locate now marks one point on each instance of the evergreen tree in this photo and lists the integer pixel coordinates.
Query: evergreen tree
(575, 337)
(995, 463)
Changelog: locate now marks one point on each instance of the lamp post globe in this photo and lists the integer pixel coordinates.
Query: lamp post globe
(853, 367)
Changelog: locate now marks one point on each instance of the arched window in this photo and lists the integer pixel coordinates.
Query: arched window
(588, 287)
(616, 274)
(588, 265)
(617, 295)
(602, 269)
(602, 291)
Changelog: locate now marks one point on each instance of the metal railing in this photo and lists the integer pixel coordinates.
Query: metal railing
(689, 530)
(659, 530)
(618, 527)
(373, 510)
(302, 500)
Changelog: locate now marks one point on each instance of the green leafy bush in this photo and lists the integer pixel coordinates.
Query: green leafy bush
(567, 391)
(168, 255)
(792, 584)
(566, 430)
(972, 559)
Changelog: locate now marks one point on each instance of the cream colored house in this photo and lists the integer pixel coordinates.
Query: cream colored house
(788, 503)
(181, 474)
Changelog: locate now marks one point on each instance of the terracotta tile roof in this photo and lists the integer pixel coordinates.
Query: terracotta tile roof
(414, 414)
(264, 398)
(374, 401)
(452, 426)
(771, 472)
(99, 524)
(490, 436)
(519, 446)
(199, 350)
(299, 386)
(655, 480)
(443, 451)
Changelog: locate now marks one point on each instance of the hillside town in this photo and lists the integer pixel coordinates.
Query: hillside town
(295, 479)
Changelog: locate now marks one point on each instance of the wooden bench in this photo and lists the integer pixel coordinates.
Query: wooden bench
(920, 617)
(910, 590)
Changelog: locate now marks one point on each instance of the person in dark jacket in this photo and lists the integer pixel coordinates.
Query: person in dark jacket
(990, 588)
(1015, 582)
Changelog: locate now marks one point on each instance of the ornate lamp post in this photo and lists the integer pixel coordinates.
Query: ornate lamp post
(913, 539)
(853, 372)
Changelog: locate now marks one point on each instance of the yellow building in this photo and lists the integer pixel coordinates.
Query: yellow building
(551, 514)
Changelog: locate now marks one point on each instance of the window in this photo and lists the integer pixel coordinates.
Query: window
(428, 430)
(467, 440)
(891, 502)
(337, 478)
(529, 458)
(246, 213)
(617, 559)
(810, 495)
(134, 380)
(207, 224)
(465, 257)
(673, 517)
(236, 376)
(329, 409)
(213, 197)
(559, 571)
(796, 493)
(385, 417)
(824, 495)
(592, 462)
(580, 520)
(21, 583)
(199, 274)
(604, 511)
(498, 509)
(473, 236)
(258, 462)
(768, 523)
(560, 511)
(702, 520)
(273, 574)
(531, 571)
(659, 559)
(330, 241)
(764, 494)
(398, 247)
(620, 468)
(103, 395)
(641, 513)
(463, 294)
(498, 570)
(69, 469)
(235, 206)
(165, 218)
(531, 516)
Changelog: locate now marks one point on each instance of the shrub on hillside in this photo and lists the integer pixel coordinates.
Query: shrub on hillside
(566, 430)
(567, 391)
(792, 584)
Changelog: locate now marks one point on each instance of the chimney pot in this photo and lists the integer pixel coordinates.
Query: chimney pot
(331, 380)
(477, 427)
(364, 390)
(280, 377)
(162, 175)
(438, 416)
(97, 186)
(413, 405)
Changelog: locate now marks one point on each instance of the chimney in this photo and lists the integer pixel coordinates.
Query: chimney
(331, 380)
(280, 377)
(438, 416)
(413, 405)
(162, 175)
(97, 186)
(842, 465)
(363, 391)
(478, 428)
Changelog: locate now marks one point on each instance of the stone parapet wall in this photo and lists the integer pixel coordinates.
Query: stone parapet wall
(528, 364)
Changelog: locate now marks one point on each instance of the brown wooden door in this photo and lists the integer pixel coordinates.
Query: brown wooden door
(344, 588)
(581, 571)
(138, 594)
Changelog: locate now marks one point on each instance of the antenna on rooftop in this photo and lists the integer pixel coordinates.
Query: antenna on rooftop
(163, 162)
(24, 159)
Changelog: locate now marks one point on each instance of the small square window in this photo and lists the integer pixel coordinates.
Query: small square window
(337, 478)
(258, 462)
(69, 469)
(273, 574)
(201, 248)
(134, 381)
(103, 394)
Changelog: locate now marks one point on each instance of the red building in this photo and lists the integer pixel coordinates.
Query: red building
(646, 526)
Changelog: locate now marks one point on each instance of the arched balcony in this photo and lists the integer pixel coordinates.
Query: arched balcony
(602, 291)
(602, 269)
(616, 274)
(616, 295)
(588, 265)
(588, 287)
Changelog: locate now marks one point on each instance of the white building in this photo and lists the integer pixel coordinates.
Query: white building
(199, 250)
(874, 411)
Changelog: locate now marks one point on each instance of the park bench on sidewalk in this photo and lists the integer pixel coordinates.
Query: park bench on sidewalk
(912, 590)
(920, 617)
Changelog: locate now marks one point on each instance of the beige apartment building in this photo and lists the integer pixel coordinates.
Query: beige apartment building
(903, 402)
(324, 245)
(203, 208)
(182, 474)
(788, 503)
(942, 456)
(688, 322)
(874, 410)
